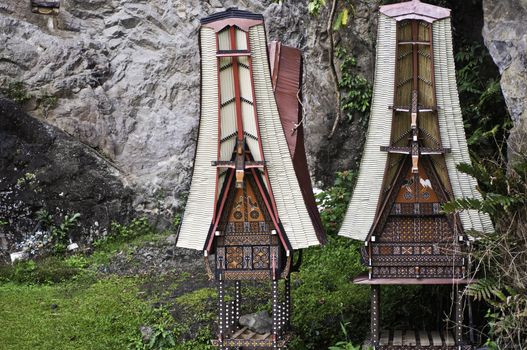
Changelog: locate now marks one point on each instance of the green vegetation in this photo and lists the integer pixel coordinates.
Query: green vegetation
(344, 345)
(501, 256)
(324, 295)
(16, 91)
(73, 315)
(484, 111)
(356, 90)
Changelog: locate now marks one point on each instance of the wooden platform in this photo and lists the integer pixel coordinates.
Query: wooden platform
(244, 337)
(411, 339)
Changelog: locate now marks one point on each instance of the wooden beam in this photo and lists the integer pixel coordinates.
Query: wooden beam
(232, 53)
(449, 339)
(385, 338)
(375, 313)
(238, 333)
(423, 338)
(409, 338)
(397, 338)
(436, 339)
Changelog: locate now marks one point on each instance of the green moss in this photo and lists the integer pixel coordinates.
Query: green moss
(197, 299)
(102, 315)
(16, 91)
(49, 270)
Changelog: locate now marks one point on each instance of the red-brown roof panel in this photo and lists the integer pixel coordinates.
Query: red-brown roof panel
(286, 74)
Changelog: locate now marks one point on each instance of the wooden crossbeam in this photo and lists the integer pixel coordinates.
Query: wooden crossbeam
(413, 43)
(409, 338)
(262, 336)
(231, 164)
(385, 338)
(436, 339)
(408, 150)
(408, 109)
(449, 339)
(397, 338)
(238, 332)
(423, 338)
(232, 53)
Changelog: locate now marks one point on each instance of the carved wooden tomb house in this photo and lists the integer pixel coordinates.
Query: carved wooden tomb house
(250, 202)
(408, 170)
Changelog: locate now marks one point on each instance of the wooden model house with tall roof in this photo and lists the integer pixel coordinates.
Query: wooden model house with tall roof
(408, 171)
(250, 203)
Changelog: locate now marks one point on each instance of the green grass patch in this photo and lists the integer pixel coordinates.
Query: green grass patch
(198, 299)
(102, 315)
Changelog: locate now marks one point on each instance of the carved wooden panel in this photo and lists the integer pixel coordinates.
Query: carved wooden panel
(246, 244)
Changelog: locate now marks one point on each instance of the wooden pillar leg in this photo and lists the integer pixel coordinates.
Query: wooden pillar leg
(287, 302)
(275, 314)
(237, 301)
(459, 315)
(375, 313)
(221, 307)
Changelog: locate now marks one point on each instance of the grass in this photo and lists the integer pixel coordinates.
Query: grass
(71, 315)
(65, 302)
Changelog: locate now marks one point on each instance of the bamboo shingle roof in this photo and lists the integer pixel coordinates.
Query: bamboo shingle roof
(262, 129)
(366, 200)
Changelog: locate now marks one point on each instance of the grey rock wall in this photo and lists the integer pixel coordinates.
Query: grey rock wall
(126, 75)
(505, 34)
(42, 168)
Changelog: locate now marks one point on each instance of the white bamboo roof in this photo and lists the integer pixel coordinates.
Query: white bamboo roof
(203, 193)
(365, 199)
(363, 204)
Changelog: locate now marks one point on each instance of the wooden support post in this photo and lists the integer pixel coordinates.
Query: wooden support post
(237, 301)
(221, 307)
(287, 302)
(459, 315)
(275, 314)
(375, 313)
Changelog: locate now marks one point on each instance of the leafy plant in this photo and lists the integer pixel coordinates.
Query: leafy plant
(60, 234)
(27, 178)
(333, 202)
(484, 112)
(121, 233)
(47, 102)
(45, 217)
(501, 256)
(314, 6)
(344, 345)
(162, 338)
(357, 91)
(324, 295)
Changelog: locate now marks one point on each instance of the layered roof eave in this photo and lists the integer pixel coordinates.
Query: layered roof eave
(361, 211)
(415, 9)
(292, 212)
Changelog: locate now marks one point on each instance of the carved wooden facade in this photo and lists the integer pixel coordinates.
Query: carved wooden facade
(249, 205)
(408, 239)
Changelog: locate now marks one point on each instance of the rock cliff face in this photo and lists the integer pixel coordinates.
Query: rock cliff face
(505, 34)
(125, 78)
(42, 168)
(125, 74)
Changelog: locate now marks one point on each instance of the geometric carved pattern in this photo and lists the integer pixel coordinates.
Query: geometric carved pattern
(261, 257)
(245, 246)
(416, 209)
(422, 272)
(416, 229)
(234, 257)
